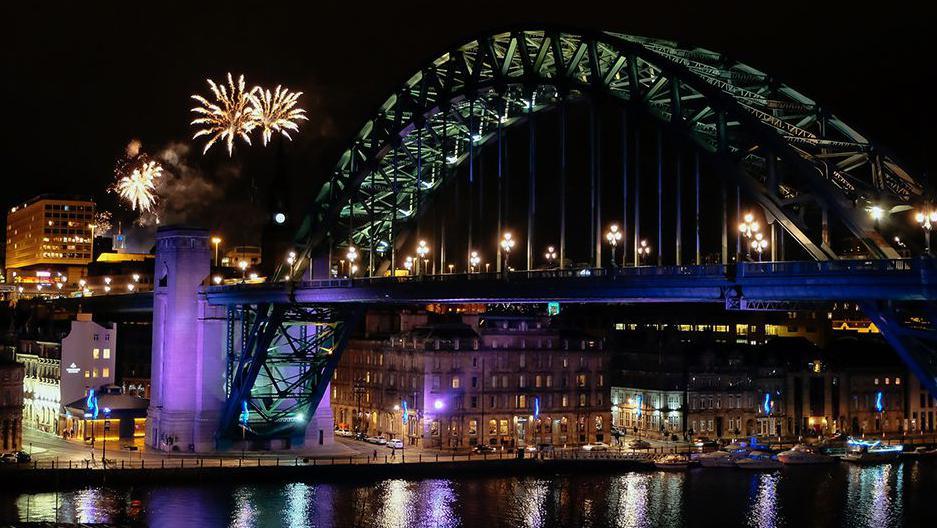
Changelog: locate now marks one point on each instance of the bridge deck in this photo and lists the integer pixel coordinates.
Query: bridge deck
(856, 280)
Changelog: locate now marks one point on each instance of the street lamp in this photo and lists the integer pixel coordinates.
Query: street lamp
(507, 244)
(749, 226)
(243, 265)
(107, 427)
(550, 255)
(422, 250)
(613, 236)
(643, 251)
(876, 212)
(216, 240)
(759, 244)
(408, 264)
(474, 260)
(291, 260)
(926, 218)
(451, 266)
(352, 255)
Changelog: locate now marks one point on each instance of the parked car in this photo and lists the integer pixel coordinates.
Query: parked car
(8, 458)
(23, 457)
(395, 443)
(344, 432)
(531, 449)
(373, 440)
(482, 449)
(637, 443)
(595, 446)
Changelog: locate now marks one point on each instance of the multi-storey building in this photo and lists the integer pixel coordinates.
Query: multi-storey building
(57, 373)
(48, 244)
(11, 405)
(486, 379)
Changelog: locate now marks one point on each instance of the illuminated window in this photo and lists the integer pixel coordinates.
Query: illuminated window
(876, 381)
(96, 353)
(106, 372)
(897, 381)
(94, 373)
(455, 382)
(741, 329)
(87, 374)
(107, 353)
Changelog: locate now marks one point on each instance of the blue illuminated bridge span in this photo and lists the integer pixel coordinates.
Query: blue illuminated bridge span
(602, 167)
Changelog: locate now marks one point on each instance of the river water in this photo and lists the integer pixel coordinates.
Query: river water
(835, 495)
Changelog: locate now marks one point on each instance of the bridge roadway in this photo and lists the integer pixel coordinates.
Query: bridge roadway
(839, 280)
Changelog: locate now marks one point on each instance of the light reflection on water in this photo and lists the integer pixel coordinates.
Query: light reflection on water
(763, 509)
(844, 495)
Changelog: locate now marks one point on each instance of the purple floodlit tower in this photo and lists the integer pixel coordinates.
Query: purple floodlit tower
(188, 370)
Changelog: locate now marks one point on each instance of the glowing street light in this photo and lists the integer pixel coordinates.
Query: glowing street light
(216, 279)
(550, 255)
(422, 250)
(216, 240)
(759, 244)
(243, 265)
(130, 287)
(613, 236)
(643, 251)
(927, 218)
(507, 244)
(876, 212)
(408, 264)
(451, 266)
(136, 277)
(352, 255)
(749, 226)
(474, 261)
(291, 261)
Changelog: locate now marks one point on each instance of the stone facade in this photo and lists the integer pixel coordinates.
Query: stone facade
(11, 406)
(499, 380)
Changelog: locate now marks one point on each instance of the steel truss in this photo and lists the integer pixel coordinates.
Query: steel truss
(782, 148)
(911, 329)
(280, 366)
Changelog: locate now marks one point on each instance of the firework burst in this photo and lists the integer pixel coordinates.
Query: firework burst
(276, 111)
(229, 117)
(102, 223)
(138, 188)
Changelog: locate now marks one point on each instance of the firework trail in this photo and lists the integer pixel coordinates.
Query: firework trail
(229, 117)
(276, 111)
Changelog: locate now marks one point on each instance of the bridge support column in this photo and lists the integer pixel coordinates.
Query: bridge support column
(188, 369)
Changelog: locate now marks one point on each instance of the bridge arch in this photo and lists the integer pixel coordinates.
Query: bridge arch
(747, 121)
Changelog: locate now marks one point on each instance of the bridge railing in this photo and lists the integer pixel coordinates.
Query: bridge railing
(748, 269)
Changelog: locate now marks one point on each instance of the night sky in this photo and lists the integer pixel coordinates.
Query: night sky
(81, 81)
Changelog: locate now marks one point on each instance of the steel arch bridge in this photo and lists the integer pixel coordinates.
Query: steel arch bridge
(462, 101)
(784, 150)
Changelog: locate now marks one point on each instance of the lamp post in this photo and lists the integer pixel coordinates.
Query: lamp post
(750, 228)
(291, 260)
(351, 255)
(507, 244)
(243, 265)
(107, 427)
(926, 218)
(422, 250)
(408, 264)
(550, 255)
(216, 241)
(474, 260)
(759, 244)
(643, 251)
(613, 236)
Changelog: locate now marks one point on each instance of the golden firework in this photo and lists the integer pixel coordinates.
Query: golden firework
(229, 117)
(139, 188)
(276, 111)
(102, 223)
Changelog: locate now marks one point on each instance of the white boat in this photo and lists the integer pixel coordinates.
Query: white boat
(717, 459)
(921, 452)
(871, 451)
(758, 460)
(673, 462)
(802, 454)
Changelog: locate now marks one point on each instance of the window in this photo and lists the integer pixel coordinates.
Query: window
(455, 382)
(538, 381)
(521, 401)
(474, 402)
(522, 381)
(583, 400)
(549, 380)
(106, 372)
(580, 380)
(565, 362)
(494, 382)
(565, 402)
(473, 427)
(523, 360)
(94, 373)
(503, 429)
(96, 353)
(492, 427)
(601, 380)
(107, 353)
(436, 382)
(87, 374)
(474, 382)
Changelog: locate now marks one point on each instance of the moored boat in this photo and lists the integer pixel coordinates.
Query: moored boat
(921, 452)
(758, 460)
(716, 459)
(871, 451)
(802, 454)
(673, 462)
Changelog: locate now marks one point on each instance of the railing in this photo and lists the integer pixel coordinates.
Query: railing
(743, 269)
